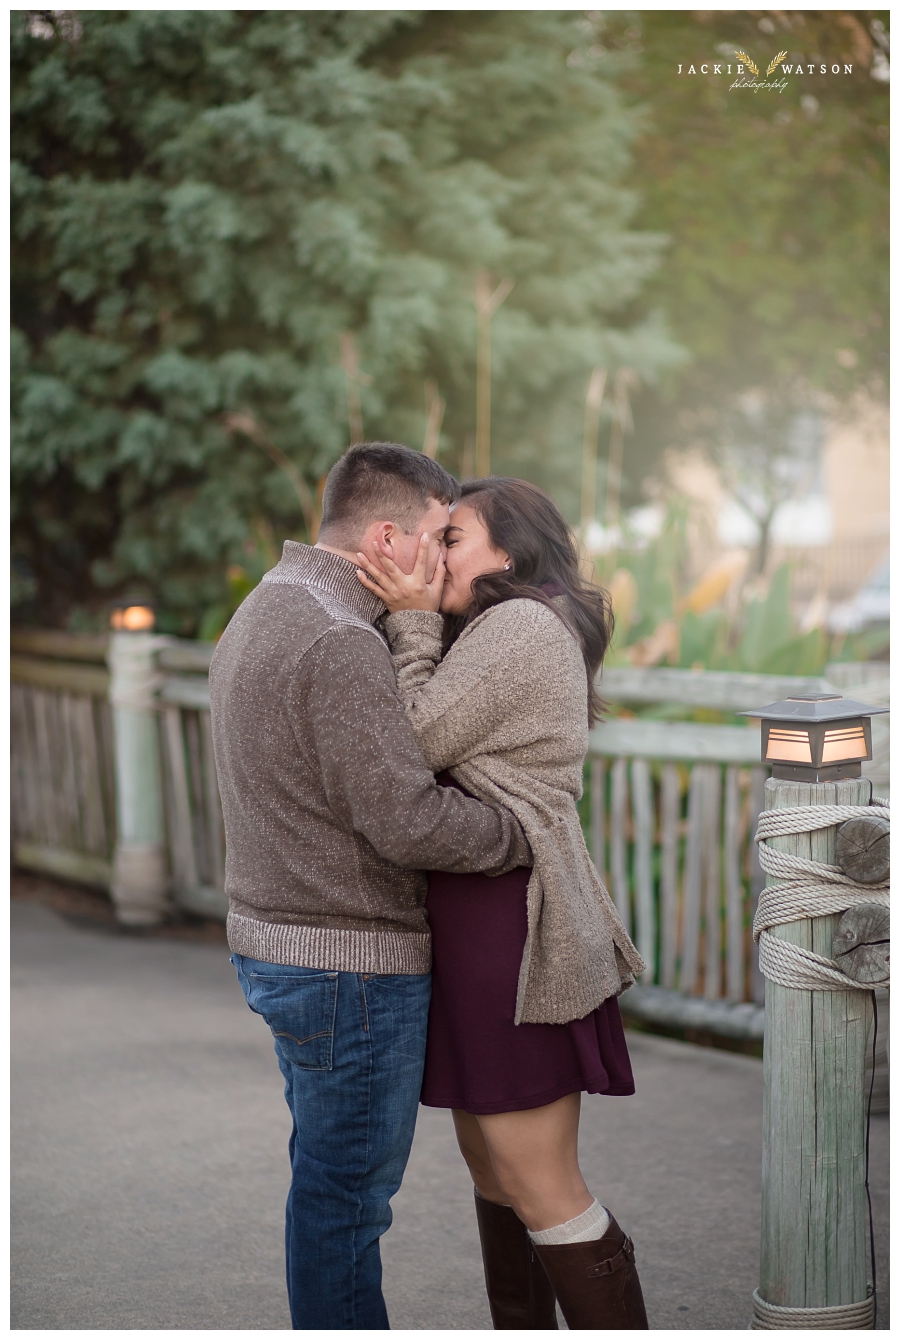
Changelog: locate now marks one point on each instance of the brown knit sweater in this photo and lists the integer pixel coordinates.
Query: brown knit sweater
(330, 812)
(506, 711)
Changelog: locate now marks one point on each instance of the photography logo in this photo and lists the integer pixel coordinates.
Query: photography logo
(773, 64)
(746, 73)
(742, 57)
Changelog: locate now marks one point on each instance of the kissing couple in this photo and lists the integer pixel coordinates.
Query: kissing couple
(400, 715)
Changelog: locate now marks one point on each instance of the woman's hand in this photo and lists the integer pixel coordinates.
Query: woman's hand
(400, 590)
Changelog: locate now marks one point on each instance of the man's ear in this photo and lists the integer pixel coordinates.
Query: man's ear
(386, 535)
(380, 532)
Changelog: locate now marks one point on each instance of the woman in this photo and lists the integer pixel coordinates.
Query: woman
(495, 660)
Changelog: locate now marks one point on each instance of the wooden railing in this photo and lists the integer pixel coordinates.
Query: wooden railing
(193, 809)
(673, 809)
(672, 804)
(62, 783)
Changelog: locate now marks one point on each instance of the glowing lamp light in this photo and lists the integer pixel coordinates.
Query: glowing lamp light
(816, 738)
(132, 619)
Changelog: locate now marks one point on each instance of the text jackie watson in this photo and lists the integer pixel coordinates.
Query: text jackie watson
(788, 69)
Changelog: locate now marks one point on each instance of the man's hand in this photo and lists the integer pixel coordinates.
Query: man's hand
(400, 590)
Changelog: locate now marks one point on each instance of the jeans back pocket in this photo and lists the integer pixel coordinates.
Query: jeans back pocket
(300, 1010)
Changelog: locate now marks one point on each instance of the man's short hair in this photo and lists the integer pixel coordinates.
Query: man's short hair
(380, 481)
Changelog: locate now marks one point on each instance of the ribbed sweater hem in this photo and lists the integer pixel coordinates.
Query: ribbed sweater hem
(387, 952)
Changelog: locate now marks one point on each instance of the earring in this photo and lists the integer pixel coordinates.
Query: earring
(506, 567)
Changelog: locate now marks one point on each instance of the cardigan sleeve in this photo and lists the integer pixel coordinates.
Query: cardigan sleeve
(481, 686)
(415, 638)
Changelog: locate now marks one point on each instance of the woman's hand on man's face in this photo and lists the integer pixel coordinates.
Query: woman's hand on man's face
(398, 589)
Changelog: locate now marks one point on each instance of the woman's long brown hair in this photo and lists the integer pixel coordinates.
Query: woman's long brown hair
(522, 520)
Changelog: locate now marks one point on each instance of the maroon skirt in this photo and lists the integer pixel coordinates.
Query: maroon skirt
(477, 1058)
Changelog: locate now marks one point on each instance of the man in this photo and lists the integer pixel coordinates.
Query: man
(331, 815)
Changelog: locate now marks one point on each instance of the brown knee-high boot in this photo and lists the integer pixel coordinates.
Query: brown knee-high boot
(520, 1295)
(597, 1282)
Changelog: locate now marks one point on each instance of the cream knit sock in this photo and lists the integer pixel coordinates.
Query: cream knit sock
(585, 1227)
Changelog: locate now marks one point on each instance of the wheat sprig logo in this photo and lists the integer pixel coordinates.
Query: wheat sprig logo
(742, 56)
(774, 64)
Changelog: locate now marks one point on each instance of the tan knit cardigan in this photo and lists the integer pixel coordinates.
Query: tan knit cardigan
(506, 712)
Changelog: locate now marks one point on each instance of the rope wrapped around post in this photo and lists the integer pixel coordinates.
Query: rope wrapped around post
(852, 1317)
(807, 888)
(804, 889)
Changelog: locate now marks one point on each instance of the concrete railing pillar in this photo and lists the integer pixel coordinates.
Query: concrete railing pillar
(140, 868)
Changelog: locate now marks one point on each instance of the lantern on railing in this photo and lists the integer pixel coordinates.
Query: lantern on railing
(126, 618)
(816, 738)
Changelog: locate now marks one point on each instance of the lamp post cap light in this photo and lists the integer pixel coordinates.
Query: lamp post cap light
(812, 707)
(132, 618)
(817, 737)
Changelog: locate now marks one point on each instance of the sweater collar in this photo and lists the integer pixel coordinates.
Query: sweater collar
(303, 565)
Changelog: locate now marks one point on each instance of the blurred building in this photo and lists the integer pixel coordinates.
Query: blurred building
(855, 478)
(835, 532)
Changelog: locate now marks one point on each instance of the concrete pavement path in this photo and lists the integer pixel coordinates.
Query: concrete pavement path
(150, 1168)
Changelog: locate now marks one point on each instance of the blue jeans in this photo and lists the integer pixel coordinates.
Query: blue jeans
(351, 1047)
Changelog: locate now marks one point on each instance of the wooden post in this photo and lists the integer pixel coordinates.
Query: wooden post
(644, 816)
(693, 874)
(814, 1226)
(140, 877)
(618, 861)
(671, 813)
(712, 882)
(598, 816)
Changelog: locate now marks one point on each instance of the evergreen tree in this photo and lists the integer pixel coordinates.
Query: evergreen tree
(237, 234)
